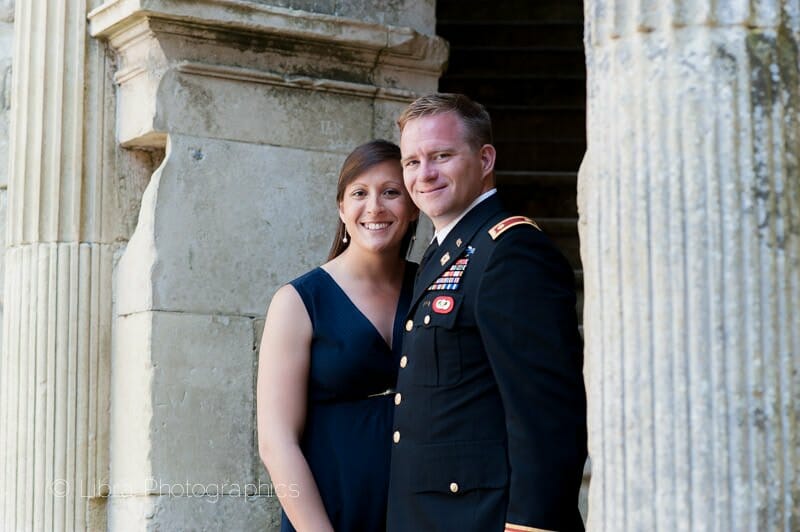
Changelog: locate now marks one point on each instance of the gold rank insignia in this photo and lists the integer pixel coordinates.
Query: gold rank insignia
(508, 223)
(458, 243)
(444, 258)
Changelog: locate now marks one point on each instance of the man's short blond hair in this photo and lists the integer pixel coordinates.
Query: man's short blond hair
(473, 115)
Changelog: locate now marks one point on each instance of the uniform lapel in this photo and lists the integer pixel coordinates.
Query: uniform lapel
(455, 244)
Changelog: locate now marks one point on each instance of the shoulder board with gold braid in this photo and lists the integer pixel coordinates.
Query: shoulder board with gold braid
(508, 223)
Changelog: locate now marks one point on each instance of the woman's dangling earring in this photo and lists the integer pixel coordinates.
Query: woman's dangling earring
(344, 238)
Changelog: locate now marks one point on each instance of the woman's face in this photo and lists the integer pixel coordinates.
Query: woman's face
(376, 208)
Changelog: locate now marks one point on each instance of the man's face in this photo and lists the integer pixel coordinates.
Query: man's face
(441, 170)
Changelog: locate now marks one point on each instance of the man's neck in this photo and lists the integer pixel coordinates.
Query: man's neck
(441, 234)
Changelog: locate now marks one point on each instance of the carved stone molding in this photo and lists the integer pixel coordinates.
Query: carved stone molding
(246, 41)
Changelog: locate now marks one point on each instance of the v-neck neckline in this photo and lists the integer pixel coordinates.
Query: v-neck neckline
(375, 329)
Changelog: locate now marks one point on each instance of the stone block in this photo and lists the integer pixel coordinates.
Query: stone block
(384, 119)
(416, 14)
(424, 237)
(261, 474)
(202, 389)
(187, 381)
(258, 330)
(131, 395)
(240, 513)
(233, 221)
(6, 45)
(189, 68)
(3, 215)
(258, 112)
(6, 10)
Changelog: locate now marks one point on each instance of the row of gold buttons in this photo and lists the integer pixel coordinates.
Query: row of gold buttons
(410, 323)
(398, 398)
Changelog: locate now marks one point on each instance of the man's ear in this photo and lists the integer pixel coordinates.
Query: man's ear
(488, 155)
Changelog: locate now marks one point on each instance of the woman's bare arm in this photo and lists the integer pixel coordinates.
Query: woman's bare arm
(283, 365)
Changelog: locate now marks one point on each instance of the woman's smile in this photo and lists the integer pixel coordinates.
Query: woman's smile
(375, 226)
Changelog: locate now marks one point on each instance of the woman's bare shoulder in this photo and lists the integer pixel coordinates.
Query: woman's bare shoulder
(286, 303)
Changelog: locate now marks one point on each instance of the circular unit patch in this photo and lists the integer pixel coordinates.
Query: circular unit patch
(442, 304)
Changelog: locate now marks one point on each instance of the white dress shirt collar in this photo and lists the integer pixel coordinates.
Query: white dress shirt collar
(442, 234)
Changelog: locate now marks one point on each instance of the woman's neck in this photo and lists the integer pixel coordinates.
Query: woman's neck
(371, 267)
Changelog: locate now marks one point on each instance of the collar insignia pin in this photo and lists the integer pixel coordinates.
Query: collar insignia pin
(444, 258)
(458, 243)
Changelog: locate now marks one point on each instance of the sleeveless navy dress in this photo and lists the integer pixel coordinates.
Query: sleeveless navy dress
(348, 431)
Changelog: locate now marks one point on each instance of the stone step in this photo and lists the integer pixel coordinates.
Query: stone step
(564, 233)
(540, 155)
(545, 93)
(513, 33)
(544, 178)
(485, 61)
(548, 195)
(526, 123)
(539, 10)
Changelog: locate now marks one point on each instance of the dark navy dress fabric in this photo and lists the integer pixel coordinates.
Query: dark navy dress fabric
(347, 435)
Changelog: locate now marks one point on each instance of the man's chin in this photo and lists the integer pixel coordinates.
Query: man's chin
(431, 209)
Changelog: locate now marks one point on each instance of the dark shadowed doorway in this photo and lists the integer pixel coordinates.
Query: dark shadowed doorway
(524, 61)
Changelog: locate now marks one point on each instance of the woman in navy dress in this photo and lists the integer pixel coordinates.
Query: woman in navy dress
(330, 353)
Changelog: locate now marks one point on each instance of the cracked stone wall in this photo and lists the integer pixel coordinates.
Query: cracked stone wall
(254, 108)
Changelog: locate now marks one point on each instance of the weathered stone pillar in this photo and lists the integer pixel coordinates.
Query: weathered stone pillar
(60, 242)
(6, 48)
(690, 236)
(255, 107)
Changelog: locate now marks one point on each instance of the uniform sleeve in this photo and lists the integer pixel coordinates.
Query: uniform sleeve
(528, 325)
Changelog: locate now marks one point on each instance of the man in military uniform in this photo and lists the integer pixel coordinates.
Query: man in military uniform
(490, 416)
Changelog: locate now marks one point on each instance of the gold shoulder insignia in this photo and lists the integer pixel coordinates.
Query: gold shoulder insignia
(508, 223)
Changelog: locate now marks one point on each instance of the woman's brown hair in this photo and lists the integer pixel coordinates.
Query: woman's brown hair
(359, 161)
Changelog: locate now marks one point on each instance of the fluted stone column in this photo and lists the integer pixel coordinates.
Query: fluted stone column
(689, 201)
(60, 242)
(6, 47)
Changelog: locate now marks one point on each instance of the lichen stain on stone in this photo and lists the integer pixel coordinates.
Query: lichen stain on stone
(385, 12)
(726, 61)
(773, 58)
(7, 11)
(759, 419)
(197, 154)
(5, 86)
(252, 42)
(201, 100)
